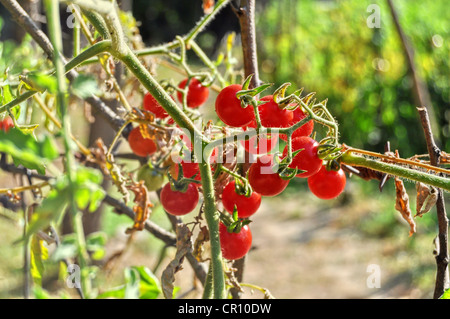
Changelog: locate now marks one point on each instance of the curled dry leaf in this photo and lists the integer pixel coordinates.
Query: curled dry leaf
(184, 246)
(426, 198)
(202, 237)
(142, 207)
(402, 204)
(99, 157)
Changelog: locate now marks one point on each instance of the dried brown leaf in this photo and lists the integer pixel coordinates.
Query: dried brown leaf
(184, 246)
(202, 237)
(402, 204)
(142, 207)
(426, 198)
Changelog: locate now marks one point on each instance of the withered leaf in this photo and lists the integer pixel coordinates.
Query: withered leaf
(184, 246)
(202, 237)
(426, 198)
(142, 207)
(402, 204)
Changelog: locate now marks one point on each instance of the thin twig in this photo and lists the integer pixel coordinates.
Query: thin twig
(442, 256)
(246, 15)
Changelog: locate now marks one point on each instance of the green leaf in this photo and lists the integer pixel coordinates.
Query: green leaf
(95, 243)
(149, 287)
(84, 86)
(40, 293)
(43, 82)
(51, 210)
(38, 254)
(26, 150)
(132, 280)
(68, 248)
(140, 283)
(446, 294)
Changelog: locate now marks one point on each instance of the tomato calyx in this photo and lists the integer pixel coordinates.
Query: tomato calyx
(232, 222)
(286, 172)
(181, 183)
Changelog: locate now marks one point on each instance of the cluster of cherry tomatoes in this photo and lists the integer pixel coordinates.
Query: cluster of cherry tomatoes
(265, 181)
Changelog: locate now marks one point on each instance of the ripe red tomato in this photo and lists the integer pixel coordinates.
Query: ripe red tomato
(179, 203)
(246, 206)
(307, 160)
(229, 109)
(263, 180)
(139, 145)
(304, 130)
(189, 170)
(272, 115)
(235, 245)
(6, 124)
(150, 104)
(263, 145)
(197, 93)
(327, 184)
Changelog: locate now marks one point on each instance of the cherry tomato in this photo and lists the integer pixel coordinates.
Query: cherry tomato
(263, 180)
(235, 245)
(197, 93)
(246, 206)
(272, 115)
(178, 203)
(139, 145)
(229, 109)
(6, 124)
(150, 104)
(327, 184)
(189, 170)
(153, 179)
(304, 130)
(307, 160)
(262, 145)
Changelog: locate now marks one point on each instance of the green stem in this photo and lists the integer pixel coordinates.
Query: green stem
(92, 51)
(21, 98)
(396, 170)
(155, 89)
(207, 291)
(54, 26)
(212, 219)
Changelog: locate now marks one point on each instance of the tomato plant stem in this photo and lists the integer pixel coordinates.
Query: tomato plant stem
(54, 25)
(212, 219)
(397, 170)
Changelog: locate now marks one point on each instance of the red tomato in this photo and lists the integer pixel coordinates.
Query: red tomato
(307, 160)
(197, 93)
(6, 124)
(229, 109)
(263, 145)
(304, 130)
(272, 115)
(327, 184)
(150, 104)
(246, 206)
(139, 145)
(235, 245)
(179, 203)
(263, 180)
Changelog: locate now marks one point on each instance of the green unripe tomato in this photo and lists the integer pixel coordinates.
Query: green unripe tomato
(153, 178)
